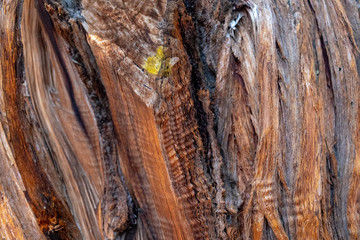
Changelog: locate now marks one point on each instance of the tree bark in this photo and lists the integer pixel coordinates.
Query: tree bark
(170, 119)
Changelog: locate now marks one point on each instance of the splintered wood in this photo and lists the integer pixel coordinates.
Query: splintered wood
(193, 119)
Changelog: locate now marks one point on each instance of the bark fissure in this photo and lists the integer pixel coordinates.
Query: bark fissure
(179, 119)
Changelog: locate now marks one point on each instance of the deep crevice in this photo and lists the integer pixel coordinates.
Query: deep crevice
(97, 96)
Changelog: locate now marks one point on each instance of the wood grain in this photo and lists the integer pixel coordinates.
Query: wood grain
(169, 119)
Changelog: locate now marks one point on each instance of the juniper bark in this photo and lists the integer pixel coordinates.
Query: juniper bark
(179, 119)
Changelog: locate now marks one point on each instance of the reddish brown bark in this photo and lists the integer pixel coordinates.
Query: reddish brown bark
(207, 119)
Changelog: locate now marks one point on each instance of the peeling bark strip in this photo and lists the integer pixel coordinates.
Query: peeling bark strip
(170, 119)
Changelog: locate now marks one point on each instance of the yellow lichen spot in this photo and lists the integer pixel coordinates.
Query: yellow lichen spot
(160, 64)
(153, 63)
(160, 52)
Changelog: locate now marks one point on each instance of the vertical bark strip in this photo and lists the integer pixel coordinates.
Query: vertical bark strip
(179, 119)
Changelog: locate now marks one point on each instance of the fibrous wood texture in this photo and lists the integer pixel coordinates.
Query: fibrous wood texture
(179, 119)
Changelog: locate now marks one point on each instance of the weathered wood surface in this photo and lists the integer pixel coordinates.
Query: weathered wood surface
(169, 119)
